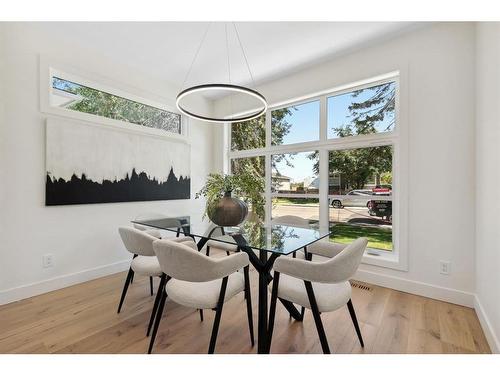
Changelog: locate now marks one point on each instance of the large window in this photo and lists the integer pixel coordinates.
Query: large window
(78, 97)
(295, 185)
(295, 124)
(249, 135)
(359, 195)
(254, 165)
(334, 168)
(364, 111)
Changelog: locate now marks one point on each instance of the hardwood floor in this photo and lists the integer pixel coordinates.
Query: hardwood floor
(83, 319)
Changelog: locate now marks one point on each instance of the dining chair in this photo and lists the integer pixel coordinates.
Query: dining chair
(319, 286)
(197, 281)
(217, 232)
(149, 216)
(144, 261)
(295, 221)
(291, 220)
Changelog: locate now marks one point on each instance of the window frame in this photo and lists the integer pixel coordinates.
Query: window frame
(397, 138)
(48, 70)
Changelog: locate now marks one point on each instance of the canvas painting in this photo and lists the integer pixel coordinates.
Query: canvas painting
(98, 164)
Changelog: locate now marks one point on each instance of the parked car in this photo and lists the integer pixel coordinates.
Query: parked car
(355, 198)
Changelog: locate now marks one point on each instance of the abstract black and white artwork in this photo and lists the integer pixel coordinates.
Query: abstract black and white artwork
(92, 164)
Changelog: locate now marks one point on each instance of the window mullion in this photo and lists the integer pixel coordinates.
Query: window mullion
(267, 188)
(323, 190)
(323, 167)
(268, 168)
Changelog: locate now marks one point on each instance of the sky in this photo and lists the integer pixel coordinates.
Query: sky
(305, 127)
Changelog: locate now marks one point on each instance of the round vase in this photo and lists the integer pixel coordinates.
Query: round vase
(229, 212)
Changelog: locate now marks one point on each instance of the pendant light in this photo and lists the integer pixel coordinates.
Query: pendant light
(217, 87)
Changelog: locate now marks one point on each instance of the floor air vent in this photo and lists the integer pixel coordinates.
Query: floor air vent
(357, 284)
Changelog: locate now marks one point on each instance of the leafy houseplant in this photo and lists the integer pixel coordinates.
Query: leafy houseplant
(244, 185)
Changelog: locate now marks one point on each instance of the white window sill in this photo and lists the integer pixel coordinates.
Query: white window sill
(383, 258)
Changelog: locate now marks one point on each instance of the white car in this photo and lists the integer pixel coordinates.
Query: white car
(355, 198)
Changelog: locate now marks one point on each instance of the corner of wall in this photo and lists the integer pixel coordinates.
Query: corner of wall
(487, 327)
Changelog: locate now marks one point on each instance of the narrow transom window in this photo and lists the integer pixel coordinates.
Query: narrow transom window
(81, 98)
(295, 124)
(363, 111)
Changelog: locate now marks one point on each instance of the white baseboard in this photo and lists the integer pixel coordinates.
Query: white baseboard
(34, 289)
(455, 296)
(491, 337)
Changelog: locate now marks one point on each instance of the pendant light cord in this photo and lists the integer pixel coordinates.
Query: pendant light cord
(232, 87)
(227, 53)
(196, 55)
(244, 54)
(229, 73)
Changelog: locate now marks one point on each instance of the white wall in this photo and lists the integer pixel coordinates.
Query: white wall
(83, 238)
(488, 180)
(436, 64)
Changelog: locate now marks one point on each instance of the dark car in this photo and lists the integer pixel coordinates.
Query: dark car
(381, 208)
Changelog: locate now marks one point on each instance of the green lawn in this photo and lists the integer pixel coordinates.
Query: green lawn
(378, 238)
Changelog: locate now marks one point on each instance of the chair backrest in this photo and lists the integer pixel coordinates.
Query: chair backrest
(147, 216)
(344, 265)
(291, 220)
(137, 241)
(213, 230)
(182, 262)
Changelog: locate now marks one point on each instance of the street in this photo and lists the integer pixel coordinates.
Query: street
(311, 212)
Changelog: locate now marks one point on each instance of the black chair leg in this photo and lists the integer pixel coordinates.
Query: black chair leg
(201, 315)
(132, 278)
(355, 322)
(317, 318)
(157, 301)
(208, 251)
(228, 253)
(159, 313)
(130, 275)
(272, 311)
(151, 285)
(248, 298)
(302, 312)
(218, 314)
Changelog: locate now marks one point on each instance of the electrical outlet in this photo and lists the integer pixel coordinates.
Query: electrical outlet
(444, 267)
(48, 260)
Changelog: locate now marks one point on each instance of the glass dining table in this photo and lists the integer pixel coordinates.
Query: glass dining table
(262, 242)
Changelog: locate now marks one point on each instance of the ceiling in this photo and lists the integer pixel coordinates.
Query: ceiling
(273, 49)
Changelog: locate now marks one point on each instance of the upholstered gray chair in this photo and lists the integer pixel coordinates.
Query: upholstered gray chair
(144, 261)
(149, 216)
(217, 232)
(319, 286)
(197, 281)
(295, 221)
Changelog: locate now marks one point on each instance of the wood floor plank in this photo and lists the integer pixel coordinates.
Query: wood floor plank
(454, 327)
(392, 336)
(478, 336)
(424, 335)
(83, 319)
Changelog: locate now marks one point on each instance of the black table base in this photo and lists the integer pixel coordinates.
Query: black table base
(263, 265)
